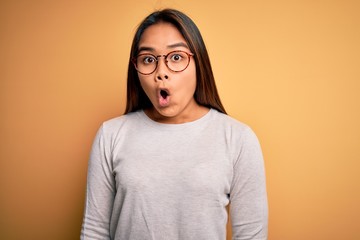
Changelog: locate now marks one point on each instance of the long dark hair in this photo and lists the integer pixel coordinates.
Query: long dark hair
(206, 93)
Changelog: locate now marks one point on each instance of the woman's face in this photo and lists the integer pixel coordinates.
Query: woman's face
(171, 93)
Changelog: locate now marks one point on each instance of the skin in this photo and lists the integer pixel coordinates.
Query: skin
(180, 106)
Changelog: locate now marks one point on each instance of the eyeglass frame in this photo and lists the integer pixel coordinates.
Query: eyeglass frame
(134, 59)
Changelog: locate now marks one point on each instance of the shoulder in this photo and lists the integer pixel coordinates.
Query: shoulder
(123, 122)
(229, 122)
(122, 119)
(233, 128)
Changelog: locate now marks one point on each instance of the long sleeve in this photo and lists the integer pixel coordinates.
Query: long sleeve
(248, 199)
(100, 191)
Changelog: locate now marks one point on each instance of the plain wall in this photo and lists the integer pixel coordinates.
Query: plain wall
(289, 69)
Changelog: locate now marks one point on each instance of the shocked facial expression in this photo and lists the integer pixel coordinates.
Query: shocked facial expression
(170, 91)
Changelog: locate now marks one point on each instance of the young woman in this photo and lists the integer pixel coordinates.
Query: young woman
(169, 167)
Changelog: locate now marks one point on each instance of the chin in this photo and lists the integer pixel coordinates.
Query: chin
(166, 112)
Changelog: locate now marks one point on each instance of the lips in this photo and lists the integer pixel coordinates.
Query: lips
(164, 97)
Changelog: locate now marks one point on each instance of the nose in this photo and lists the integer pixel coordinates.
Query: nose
(159, 77)
(161, 71)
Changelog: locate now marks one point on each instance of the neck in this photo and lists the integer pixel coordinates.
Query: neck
(194, 115)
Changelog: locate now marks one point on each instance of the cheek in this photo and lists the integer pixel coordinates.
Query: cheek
(191, 78)
(144, 83)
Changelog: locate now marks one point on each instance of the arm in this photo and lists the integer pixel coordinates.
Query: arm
(100, 191)
(248, 200)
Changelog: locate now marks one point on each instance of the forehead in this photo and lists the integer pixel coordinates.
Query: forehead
(160, 36)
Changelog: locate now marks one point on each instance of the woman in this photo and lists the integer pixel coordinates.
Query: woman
(169, 167)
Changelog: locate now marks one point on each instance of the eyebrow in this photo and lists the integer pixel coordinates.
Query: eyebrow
(180, 44)
(150, 49)
(175, 45)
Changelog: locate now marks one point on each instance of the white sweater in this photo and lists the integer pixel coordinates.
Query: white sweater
(148, 180)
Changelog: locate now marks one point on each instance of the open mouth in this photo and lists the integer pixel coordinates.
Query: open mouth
(164, 98)
(164, 94)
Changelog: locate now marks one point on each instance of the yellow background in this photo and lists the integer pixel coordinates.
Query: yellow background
(289, 69)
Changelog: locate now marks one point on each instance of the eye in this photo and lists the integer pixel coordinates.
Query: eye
(176, 57)
(147, 59)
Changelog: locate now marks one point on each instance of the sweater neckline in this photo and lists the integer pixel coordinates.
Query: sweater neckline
(175, 126)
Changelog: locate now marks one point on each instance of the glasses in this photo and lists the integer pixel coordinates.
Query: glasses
(176, 61)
